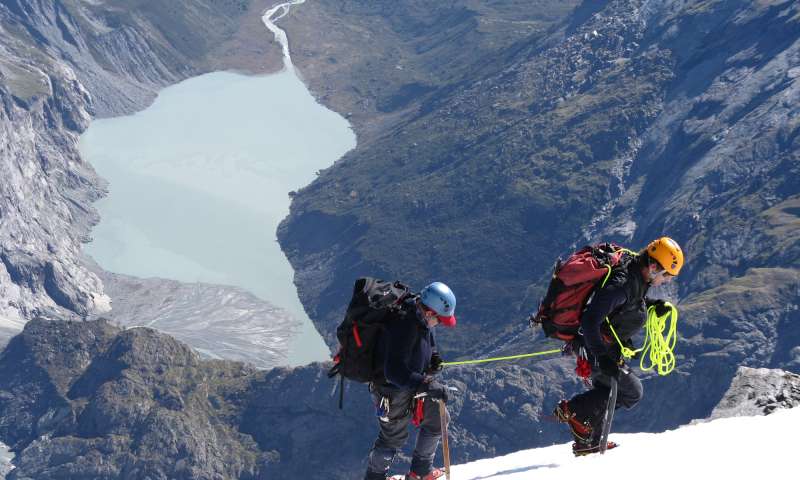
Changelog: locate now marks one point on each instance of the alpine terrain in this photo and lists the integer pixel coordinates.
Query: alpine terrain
(493, 137)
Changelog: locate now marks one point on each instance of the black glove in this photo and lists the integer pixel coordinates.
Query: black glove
(661, 307)
(437, 391)
(435, 366)
(608, 366)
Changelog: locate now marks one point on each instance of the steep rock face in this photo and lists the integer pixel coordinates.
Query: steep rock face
(49, 189)
(758, 391)
(416, 49)
(625, 121)
(60, 64)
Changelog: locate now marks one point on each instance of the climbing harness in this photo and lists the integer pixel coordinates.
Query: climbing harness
(657, 348)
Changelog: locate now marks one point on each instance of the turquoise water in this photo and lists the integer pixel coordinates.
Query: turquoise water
(199, 182)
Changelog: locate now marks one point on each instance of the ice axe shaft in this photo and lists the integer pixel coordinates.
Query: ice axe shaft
(445, 440)
(610, 407)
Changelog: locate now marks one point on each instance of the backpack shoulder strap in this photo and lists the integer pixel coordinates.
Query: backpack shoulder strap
(618, 258)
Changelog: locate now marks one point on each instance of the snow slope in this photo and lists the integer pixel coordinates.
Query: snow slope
(728, 448)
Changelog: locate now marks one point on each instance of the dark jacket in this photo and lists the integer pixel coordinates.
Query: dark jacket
(622, 300)
(406, 347)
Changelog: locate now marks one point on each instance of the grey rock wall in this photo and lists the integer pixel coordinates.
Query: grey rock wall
(47, 192)
(758, 391)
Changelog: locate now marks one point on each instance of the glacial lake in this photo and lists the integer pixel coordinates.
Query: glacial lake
(199, 182)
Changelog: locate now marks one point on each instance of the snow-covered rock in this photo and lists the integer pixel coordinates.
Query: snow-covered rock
(759, 391)
(5, 460)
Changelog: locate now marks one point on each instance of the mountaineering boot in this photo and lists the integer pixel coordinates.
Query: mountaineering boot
(434, 474)
(580, 449)
(581, 430)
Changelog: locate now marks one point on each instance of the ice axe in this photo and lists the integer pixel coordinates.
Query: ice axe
(609, 417)
(445, 438)
(445, 442)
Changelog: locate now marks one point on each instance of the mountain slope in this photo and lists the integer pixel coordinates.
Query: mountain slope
(623, 122)
(620, 120)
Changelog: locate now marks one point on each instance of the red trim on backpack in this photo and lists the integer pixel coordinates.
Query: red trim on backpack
(356, 335)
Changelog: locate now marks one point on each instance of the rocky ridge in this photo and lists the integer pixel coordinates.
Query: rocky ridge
(758, 391)
(88, 399)
(108, 403)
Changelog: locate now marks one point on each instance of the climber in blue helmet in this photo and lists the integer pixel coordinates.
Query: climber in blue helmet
(410, 359)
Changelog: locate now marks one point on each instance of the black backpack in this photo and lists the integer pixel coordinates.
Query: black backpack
(363, 323)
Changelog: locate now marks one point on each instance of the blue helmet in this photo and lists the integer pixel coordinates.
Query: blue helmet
(438, 297)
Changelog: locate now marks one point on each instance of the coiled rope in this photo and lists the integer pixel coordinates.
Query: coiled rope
(657, 349)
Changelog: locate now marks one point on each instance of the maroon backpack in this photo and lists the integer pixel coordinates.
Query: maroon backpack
(572, 285)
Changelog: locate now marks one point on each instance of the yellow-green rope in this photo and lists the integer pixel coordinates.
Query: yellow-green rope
(657, 348)
(497, 359)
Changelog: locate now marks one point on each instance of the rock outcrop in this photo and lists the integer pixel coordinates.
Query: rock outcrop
(758, 391)
(89, 400)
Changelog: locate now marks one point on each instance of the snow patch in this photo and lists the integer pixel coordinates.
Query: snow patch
(5, 460)
(740, 447)
(101, 303)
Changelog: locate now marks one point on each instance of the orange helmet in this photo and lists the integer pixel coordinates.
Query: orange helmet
(667, 253)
